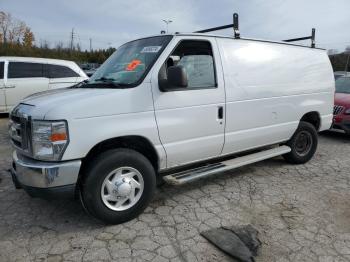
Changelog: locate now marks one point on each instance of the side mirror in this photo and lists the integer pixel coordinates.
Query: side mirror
(176, 78)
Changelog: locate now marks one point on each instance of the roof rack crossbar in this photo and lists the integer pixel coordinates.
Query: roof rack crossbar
(214, 28)
(235, 27)
(312, 38)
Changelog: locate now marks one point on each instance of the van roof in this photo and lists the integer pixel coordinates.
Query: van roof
(241, 38)
(37, 59)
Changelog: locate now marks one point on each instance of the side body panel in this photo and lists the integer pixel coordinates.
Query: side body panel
(18, 88)
(269, 87)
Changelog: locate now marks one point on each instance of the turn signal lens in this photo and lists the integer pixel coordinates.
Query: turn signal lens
(58, 137)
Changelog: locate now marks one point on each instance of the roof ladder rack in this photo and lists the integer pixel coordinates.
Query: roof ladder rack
(235, 27)
(312, 38)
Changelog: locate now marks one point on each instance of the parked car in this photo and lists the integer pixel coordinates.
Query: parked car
(90, 68)
(341, 120)
(178, 107)
(338, 74)
(23, 76)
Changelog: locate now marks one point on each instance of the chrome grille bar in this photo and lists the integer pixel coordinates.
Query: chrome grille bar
(338, 109)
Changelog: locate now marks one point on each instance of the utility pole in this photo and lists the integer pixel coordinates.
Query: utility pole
(72, 39)
(90, 44)
(167, 23)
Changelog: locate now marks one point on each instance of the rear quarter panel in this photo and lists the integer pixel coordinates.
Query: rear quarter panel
(269, 87)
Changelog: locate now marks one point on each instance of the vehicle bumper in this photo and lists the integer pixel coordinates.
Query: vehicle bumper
(341, 123)
(45, 179)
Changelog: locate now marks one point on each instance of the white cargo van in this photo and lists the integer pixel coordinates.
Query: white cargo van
(177, 107)
(23, 76)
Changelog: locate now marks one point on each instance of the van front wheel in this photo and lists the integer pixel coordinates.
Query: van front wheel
(303, 144)
(118, 185)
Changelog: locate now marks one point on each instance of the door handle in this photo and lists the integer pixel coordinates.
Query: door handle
(220, 112)
(10, 86)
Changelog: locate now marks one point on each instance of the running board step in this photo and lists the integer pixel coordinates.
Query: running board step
(211, 169)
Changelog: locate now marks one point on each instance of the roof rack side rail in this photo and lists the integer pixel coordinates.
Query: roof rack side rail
(235, 27)
(312, 38)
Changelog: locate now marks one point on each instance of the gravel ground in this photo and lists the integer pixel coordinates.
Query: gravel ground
(302, 213)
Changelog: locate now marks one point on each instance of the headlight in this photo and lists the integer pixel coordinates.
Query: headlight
(347, 111)
(49, 139)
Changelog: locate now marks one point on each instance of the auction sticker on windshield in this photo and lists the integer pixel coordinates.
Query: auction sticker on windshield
(132, 65)
(151, 49)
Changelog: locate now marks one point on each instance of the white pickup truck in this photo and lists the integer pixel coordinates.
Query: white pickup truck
(176, 107)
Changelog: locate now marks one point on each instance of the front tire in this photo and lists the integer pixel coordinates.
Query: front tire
(118, 185)
(303, 144)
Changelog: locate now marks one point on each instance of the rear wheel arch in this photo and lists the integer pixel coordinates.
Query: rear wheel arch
(313, 118)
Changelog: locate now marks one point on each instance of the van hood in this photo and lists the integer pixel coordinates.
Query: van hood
(70, 103)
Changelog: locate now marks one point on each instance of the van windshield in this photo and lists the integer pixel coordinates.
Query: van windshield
(342, 85)
(129, 64)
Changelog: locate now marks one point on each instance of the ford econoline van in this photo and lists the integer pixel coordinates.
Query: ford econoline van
(174, 107)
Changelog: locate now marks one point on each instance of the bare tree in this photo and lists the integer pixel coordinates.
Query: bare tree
(16, 31)
(5, 24)
(59, 46)
(11, 29)
(44, 44)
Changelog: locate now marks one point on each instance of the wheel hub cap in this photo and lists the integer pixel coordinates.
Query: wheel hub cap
(303, 143)
(123, 187)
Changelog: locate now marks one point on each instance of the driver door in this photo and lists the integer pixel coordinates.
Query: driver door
(191, 120)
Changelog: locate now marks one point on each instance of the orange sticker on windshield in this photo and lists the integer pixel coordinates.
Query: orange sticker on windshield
(132, 65)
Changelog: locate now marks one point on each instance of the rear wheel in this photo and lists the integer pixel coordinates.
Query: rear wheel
(118, 185)
(303, 144)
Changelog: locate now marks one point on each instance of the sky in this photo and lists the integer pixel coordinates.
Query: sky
(110, 23)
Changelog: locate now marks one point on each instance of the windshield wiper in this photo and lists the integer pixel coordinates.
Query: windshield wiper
(84, 82)
(104, 79)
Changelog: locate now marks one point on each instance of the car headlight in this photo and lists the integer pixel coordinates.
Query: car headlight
(49, 139)
(347, 111)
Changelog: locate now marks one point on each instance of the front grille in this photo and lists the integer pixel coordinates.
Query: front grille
(19, 130)
(337, 110)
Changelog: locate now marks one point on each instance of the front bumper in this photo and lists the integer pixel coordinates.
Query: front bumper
(341, 122)
(45, 179)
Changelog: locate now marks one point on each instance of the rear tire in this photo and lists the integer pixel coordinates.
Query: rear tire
(303, 144)
(118, 185)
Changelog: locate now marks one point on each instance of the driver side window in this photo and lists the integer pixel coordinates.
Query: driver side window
(196, 57)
